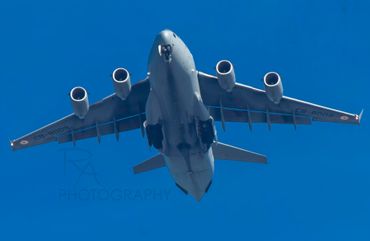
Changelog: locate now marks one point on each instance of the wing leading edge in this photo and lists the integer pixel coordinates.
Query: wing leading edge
(248, 104)
(108, 116)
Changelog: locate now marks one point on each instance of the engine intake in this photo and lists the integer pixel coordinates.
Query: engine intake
(225, 75)
(80, 102)
(121, 82)
(273, 87)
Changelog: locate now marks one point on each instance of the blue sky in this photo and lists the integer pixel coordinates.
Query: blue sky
(315, 187)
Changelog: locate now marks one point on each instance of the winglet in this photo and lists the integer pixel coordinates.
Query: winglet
(11, 144)
(359, 116)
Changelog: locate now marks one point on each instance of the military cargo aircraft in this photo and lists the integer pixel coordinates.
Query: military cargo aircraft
(176, 107)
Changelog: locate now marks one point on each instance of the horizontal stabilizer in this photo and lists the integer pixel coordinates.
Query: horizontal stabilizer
(150, 164)
(223, 151)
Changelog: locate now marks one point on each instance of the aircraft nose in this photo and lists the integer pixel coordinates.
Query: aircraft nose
(165, 36)
(165, 45)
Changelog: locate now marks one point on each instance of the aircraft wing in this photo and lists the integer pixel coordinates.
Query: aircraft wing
(248, 104)
(110, 115)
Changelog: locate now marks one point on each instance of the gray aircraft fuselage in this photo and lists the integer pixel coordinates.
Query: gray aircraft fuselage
(175, 102)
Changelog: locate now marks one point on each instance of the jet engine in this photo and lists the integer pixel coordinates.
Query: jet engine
(273, 87)
(80, 101)
(225, 75)
(121, 82)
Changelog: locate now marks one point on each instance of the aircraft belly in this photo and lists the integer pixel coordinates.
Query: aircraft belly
(177, 91)
(175, 87)
(177, 96)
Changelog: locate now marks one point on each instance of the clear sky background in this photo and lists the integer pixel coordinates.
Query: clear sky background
(315, 187)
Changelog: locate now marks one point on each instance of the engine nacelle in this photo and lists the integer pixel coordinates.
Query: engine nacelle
(225, 75)
(273, 86)
(121, 82)
(80, 101)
